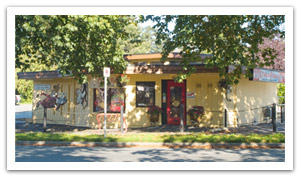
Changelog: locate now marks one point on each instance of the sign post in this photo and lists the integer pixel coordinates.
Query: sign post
(106, 74)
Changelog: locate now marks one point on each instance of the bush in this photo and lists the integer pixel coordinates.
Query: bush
(197, 111)
(154, 110)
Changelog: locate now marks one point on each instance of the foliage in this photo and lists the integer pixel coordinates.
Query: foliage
(277, 45)
(76, 44)
(281, 92)
(140, 40)
(154, 110)
(155, 137)
(25, 87)
(232, 40)
(123, 79)
(197, 111)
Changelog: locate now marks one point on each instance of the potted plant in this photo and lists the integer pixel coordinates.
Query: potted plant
(196, 113)
(122, 80)
(154, 113)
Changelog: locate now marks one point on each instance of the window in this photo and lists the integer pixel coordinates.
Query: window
(140, 63)
(41, 86)
(174, 63)
(156, 63)
(115, 99)
(145, 94)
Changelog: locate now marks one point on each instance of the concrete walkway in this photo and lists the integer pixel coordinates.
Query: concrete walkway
(157, 145)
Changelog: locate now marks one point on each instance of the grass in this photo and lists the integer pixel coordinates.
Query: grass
(153, 137)
(26, 101)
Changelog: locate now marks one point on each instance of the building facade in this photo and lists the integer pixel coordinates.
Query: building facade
(147, 82)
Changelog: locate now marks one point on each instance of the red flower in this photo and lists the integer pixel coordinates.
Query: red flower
(121, 75)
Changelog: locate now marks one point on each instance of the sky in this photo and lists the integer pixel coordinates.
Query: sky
(151, 23)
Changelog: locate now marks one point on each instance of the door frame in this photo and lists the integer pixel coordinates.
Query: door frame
(164, 103)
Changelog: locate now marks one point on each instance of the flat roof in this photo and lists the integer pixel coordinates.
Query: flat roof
(40, 75)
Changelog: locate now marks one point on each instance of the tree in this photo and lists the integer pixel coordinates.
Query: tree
(140, 40)
(281, 93)
(231, 40)
(277, 44)
(25, 87)
(75, 44)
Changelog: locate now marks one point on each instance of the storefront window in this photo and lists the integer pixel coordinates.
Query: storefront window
(115, 99)
(145, 94)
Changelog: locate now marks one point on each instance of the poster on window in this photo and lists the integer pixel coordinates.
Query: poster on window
(115, 99)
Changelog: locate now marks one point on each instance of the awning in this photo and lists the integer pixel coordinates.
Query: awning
(40, 75)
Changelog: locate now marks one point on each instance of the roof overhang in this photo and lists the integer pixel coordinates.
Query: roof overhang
(40, 75)
(166, 69)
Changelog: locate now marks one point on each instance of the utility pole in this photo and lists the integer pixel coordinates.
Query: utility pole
(274, 118)
(106, 74)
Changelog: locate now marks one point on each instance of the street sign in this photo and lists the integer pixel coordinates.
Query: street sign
(106, 72)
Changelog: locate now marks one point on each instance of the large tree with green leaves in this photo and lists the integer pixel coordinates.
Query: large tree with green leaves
(25, 87)
(75, 44)
(140, 40)
(232, 40)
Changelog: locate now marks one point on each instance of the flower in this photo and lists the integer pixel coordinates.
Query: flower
(154, 110)
(196, 111)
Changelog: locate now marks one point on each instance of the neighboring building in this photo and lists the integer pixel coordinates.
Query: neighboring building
(151, 83)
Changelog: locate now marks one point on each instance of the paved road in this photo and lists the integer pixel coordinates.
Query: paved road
(112, 154)
(23, 111)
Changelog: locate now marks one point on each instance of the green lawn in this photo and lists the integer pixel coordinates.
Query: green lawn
(153, 137)
(26, 102)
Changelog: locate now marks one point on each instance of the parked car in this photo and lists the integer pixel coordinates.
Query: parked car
(17, 99)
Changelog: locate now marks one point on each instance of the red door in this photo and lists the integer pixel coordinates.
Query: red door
(175, 97)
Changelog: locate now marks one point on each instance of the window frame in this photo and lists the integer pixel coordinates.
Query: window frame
(108, 110)
(153, 84)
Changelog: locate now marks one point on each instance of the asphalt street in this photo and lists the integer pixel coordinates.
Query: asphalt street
(113, 154)
(23, 111)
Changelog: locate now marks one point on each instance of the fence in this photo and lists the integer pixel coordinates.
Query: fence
(68, 117)
(240, 117)
(269, 112)
(272, 113)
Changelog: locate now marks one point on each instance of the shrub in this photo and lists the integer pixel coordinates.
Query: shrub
(154, 110)
(197, 111)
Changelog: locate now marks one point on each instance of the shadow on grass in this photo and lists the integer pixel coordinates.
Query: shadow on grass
(224, 138)
(63, 137)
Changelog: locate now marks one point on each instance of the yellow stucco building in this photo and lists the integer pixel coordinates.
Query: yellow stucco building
(149, 82)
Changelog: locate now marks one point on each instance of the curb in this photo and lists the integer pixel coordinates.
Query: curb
(157, 145)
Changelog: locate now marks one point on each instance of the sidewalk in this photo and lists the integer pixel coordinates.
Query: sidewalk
(157, 145)
(164, 129)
